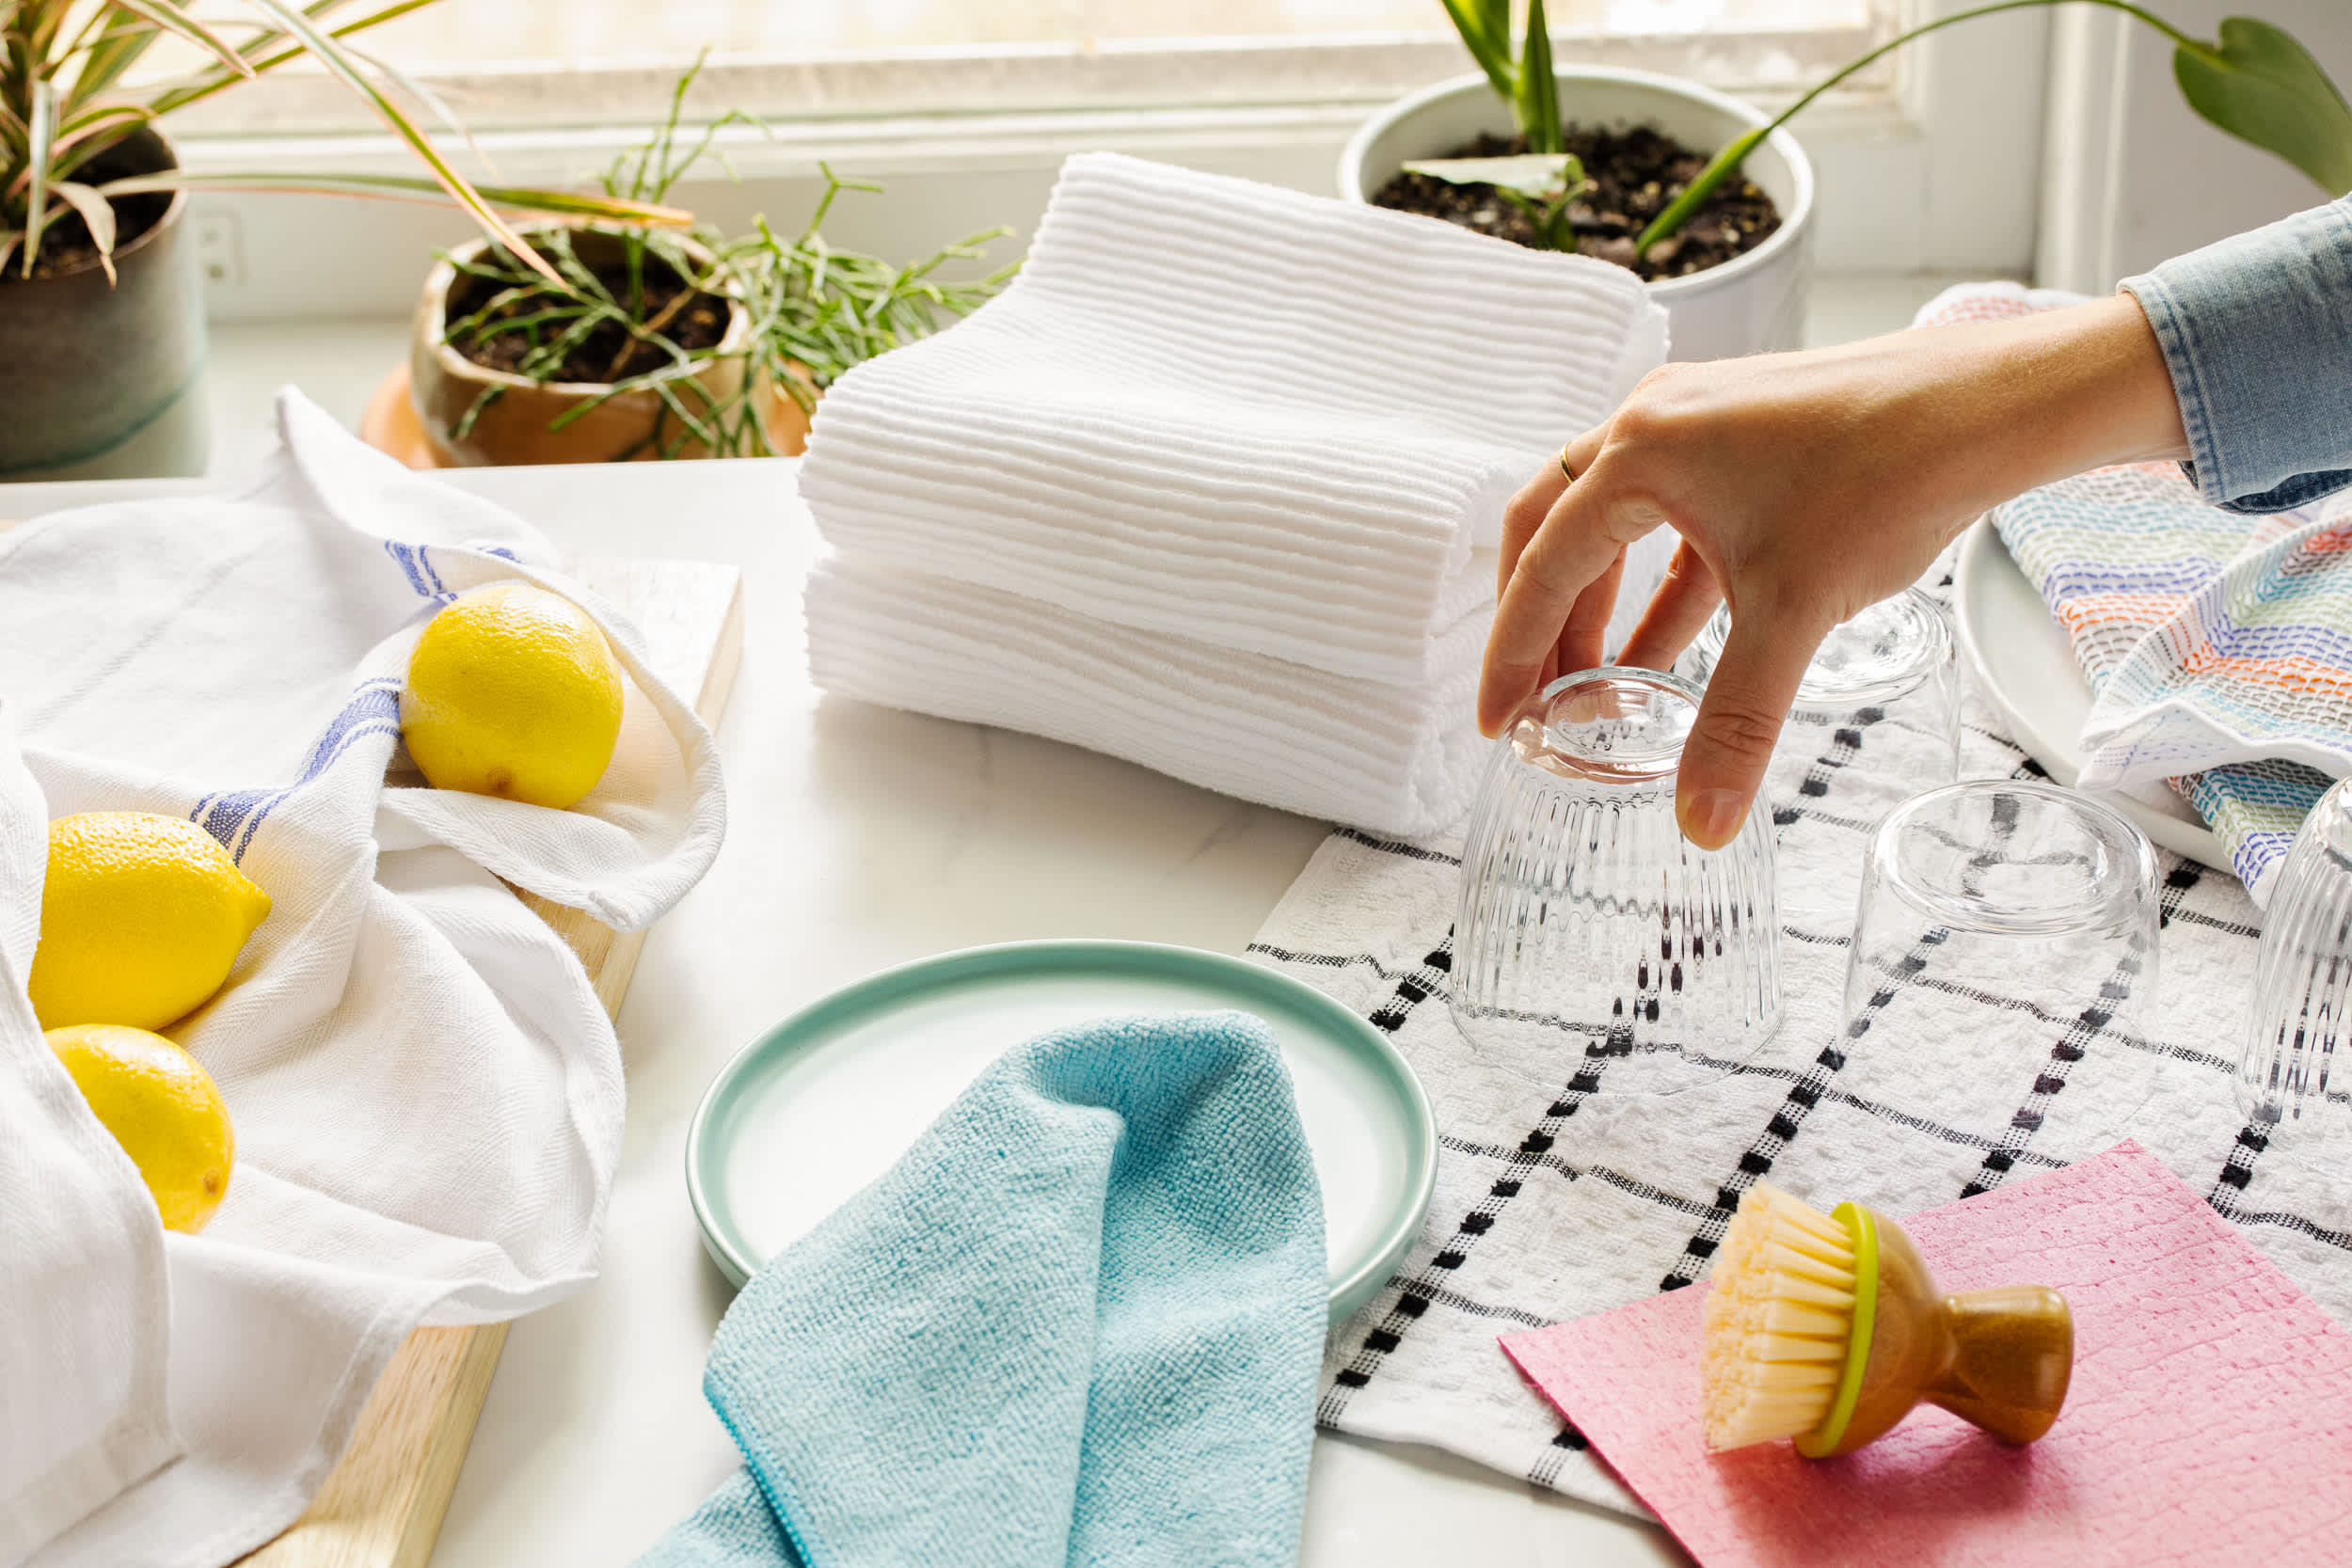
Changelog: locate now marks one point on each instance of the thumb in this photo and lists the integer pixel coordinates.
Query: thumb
(1747, 700)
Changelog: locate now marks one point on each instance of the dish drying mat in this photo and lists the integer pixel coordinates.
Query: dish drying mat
(1556, 1199)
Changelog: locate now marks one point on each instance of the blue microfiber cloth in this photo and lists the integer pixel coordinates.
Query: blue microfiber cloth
(1079, 1323)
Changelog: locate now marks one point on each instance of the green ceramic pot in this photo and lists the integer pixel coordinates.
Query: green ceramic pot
(100, 380)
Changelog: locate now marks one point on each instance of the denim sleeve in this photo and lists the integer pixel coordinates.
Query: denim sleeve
(2257, 332)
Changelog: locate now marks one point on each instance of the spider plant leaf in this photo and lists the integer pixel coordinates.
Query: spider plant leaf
(87, 134)
(181, 95)
(339, 64)
(1487, 36)
(427, 97)
(40, 130)
(410, 187)
(96, 213)
(1540, 176)
(1538, 102)
(172, 19)
(2261, 85)
(114, 50)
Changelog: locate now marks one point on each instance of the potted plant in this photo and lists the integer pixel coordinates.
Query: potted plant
(1736, 284)
(100, 302)
(2255, 81)
(652, 342)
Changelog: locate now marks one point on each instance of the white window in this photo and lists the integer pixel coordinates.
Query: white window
(965, 108)
(505, 64)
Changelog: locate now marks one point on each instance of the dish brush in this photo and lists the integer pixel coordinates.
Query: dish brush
(1828, 1328)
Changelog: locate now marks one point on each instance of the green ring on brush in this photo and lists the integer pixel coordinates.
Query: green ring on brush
(1822, 1440)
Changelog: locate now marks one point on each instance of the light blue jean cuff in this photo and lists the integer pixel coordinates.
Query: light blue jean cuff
(2257, 334)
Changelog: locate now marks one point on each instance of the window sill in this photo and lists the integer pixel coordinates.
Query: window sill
(271, 257)
(339, 363)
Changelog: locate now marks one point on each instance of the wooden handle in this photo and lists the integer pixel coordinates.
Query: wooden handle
(2013, 1356)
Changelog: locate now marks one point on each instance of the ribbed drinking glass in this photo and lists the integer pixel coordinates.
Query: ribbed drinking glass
(2003, 964)
(2295, 1069)
(1875, 721)
(1588, 926)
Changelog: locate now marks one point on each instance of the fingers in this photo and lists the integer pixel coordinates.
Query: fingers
(1582, 639)
(1568, 554)
(1685, 596)
(1533, 503)
(1747, 698)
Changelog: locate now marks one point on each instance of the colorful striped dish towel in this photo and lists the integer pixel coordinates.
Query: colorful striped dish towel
(2219, 645)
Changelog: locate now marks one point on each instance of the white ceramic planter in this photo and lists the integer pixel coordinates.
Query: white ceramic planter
(1753, 303)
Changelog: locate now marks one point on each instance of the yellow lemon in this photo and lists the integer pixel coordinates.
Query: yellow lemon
(140, 919)
(162, 1107)
(512, 691)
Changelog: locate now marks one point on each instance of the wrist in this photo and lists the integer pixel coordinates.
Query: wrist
(2081, 388)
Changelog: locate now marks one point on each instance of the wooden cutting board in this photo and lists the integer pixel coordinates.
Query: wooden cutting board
(382, 1505)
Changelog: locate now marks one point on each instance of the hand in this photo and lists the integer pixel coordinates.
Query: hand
(1805, 487)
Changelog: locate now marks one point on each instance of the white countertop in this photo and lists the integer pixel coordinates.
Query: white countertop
(858, 838)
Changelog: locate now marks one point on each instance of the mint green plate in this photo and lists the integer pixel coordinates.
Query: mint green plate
(828, 1099)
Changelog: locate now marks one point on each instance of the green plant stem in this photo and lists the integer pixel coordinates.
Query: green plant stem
(1725, 163)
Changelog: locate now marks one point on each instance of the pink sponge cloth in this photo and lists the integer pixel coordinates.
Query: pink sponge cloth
(2210, 1419)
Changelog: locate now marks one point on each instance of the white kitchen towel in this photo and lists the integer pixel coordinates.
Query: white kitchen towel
(1556, 1197)
(84, 1308)
(1231, 413)
(1399, 759)
(425, 1091)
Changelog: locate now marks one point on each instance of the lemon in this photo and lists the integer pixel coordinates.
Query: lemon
(142, 917)
(512, 691)
(162, 1107)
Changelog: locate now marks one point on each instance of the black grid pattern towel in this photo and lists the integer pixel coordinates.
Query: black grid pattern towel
(1555, 1200)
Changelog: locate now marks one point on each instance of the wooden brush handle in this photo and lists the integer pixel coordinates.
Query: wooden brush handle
(2013, 1355)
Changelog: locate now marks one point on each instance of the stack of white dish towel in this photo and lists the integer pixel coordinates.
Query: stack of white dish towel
(1215, 485)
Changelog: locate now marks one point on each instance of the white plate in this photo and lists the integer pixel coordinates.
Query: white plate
(828, 1099)
(2027, 671)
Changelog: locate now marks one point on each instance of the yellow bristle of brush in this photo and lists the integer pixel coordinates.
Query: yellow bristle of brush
(1776, 1322)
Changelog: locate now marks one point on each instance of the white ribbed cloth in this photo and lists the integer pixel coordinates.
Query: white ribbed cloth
(1302, 739)
(1256, 422)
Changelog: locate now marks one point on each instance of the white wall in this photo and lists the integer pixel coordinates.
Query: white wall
(2133, 175)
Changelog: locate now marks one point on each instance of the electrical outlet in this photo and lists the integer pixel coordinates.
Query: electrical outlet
(219, 245)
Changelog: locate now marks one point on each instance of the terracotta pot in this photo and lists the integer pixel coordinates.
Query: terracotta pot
(514, 427)
(1752, 303)
(100, 379)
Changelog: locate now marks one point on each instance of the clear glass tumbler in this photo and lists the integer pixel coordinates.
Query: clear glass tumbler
(1588, 925)
(2005, 947)
(2296, 1065)
(1876, 722)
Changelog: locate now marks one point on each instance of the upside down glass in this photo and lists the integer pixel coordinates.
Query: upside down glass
(1589, 929)
(2003, 959)
(2295, 1068)
(1875, 721)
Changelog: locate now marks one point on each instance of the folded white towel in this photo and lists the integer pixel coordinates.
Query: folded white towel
(426, 1093)
(1233, 414)
(1395, 759)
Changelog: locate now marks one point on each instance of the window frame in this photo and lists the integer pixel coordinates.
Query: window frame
(1935, 167)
